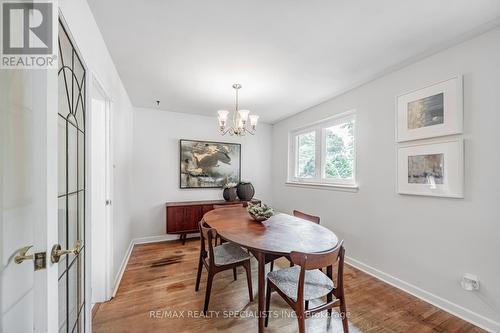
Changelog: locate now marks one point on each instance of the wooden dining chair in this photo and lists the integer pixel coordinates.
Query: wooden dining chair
(303, 216)
(220, 258)
(304, 281)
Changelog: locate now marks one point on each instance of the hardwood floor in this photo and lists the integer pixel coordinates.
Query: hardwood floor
(157, 295)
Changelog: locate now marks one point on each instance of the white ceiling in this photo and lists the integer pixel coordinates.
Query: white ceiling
(288, 55)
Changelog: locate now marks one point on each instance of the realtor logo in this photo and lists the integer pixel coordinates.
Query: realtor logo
(28, 34)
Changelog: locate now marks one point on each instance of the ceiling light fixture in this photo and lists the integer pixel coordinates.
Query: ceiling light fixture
(239, 119)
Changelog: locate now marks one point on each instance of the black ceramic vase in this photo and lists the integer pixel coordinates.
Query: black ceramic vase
(230, 194)
(245, 191)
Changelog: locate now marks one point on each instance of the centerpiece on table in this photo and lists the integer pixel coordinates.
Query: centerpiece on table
(260, 213)
(230, 193)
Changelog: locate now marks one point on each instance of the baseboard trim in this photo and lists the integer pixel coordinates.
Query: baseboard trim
(123, 265)
(450, 307)
(161, 238)
(154, 239)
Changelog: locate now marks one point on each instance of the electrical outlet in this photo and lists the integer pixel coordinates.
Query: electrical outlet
(469, 282)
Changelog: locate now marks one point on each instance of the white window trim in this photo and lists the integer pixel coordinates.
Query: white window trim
(334, 187)
(320, 160)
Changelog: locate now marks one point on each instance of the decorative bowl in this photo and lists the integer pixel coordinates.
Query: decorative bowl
(260, 213)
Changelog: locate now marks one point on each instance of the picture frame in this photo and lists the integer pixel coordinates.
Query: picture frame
(433, 111)
(208, 164)
(432, 168)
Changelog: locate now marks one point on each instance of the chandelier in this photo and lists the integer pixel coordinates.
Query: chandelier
(239, 119)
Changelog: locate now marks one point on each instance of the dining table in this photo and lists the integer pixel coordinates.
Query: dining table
(276, 237)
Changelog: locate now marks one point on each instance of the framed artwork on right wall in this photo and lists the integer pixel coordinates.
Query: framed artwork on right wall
(433, 111)
(432, 167)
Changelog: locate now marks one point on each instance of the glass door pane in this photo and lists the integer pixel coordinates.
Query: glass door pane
(71, 194)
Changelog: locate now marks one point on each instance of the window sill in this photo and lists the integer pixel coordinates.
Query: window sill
(333, 187)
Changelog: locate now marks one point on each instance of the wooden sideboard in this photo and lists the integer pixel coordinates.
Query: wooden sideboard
(183, 217)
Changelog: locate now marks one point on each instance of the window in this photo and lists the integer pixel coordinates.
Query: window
(306, 155)
(325, 153)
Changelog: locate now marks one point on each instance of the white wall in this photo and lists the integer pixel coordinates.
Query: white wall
(426, 242)
(156, 164)
(89, 41)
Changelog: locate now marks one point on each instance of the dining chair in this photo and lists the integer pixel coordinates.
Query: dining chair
(304, 281)
(220, 258)
(303, 216)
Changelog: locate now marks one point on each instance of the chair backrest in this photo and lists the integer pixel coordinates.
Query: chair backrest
(228, 206)
(207, 234)
(309, 261)
(305, 216)
(317, 260)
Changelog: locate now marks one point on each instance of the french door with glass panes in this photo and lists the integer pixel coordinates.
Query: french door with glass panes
(71, 185)
(42, 195)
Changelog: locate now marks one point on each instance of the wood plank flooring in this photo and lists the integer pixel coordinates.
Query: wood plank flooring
(157, 295)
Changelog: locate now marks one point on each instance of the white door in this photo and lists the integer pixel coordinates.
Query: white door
(100, 179)
(28, 212)
(42, 196)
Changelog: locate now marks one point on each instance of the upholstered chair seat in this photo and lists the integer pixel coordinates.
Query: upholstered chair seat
(229, 253)
(316, 284)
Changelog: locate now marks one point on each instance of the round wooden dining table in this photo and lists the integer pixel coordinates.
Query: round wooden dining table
(271, 239)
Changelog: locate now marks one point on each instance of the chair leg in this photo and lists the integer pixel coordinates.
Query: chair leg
(328, 300)
(272, 265)
(198, 275)
(235, 274)
(249, 279)
(343, 315)
(268, 302)
(302, 322)
(307, 305)
(209, 289)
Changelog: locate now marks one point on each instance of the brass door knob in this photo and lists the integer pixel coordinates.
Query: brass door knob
(57, 253)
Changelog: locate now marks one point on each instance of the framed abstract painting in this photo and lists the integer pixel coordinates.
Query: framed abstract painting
(207, 164)
(433, 111)
(432, 167)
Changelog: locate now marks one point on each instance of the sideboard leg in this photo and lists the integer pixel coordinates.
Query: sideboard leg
(183, 238)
